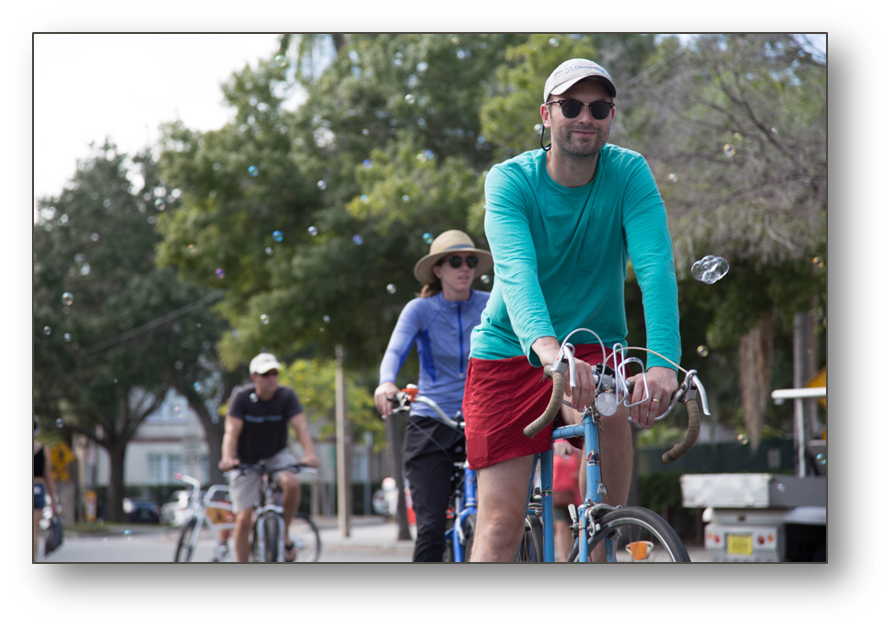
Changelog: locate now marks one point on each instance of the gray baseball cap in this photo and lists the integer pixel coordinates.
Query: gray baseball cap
(574, 70)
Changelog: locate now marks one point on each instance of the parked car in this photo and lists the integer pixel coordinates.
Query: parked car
(141, 510)
(175, 510)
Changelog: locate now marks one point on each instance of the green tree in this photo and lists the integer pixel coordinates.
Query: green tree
(105, 361)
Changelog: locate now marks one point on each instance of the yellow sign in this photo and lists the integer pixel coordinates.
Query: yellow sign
(817, 381)
(61, 457)
(740, 544)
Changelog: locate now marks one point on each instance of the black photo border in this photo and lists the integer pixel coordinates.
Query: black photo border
(853, 516)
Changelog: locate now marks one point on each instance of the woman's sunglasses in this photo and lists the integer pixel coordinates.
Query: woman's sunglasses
(599, 110)
(456, 261)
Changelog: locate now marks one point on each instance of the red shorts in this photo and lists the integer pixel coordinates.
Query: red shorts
(501, 398)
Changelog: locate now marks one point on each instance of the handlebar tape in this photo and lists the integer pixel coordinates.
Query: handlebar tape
(694, 427)
(554, 404)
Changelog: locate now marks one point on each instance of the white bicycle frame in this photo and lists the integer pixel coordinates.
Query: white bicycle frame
(199, 509)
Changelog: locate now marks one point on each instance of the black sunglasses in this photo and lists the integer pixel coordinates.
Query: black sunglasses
(456, 261)
(599, 110)
(272, 372)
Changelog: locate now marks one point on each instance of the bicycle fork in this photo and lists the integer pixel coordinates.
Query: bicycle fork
(260, 532)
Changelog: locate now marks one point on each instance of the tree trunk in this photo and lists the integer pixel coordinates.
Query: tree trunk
(214, 438)
(115, 497)
(755, 368)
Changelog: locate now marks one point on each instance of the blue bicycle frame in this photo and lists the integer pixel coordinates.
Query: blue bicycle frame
(588, 429)
(465, 504)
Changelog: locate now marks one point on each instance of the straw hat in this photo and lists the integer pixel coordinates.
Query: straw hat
(450, 242)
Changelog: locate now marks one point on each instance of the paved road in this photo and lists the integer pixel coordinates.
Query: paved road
(371, 539)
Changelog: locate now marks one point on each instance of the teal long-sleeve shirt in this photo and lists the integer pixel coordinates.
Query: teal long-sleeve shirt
(560, 257)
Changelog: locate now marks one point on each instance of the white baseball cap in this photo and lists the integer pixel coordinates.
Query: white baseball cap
(574, 70)
(262, 363)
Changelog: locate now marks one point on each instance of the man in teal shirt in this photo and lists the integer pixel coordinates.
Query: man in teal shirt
(562, 224)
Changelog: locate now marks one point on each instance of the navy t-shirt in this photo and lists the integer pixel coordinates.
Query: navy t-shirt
(265, 431)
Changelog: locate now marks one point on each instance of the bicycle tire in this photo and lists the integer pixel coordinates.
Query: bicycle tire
(305, 536)
(637, 524)
(471, 523)
(531, 548)
(184, 550)
(271, 538)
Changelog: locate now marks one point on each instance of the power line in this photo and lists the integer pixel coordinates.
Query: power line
(153, 324)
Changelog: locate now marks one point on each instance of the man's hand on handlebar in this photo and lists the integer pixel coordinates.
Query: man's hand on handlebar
(227, 464)
(310, 461)
(662, 383)
(580, 396)
(383, 395)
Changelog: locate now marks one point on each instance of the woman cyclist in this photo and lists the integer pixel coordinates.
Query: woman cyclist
(439, 323)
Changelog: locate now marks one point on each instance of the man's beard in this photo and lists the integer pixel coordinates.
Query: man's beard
(579, 150)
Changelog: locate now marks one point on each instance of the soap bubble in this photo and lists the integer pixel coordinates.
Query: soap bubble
(672, 178)
(729, 150)
(703, 351)
(47, 330)
(85, 268)
(252, 170)
(59, 422)
(553, 42)
(197, 386)
(358, 240)
(277, 236)
(406, 198)
(321, 184)
(280, 60)
(269, 251)
(743, 440)
(364, 198)
(485, 279)
(192, 249)
(151, 220)
(821, 459)
(264, 319)
(253, 397)
(392, 289)
(220, 274)
(428, 238)
(710, 269)
(67, 299)
(128, 535)
(774, 131)
(178, 364)
(67, 337)
(367, 163)
(326, 318)
(312, 230)
(409, 98)
(818, 263)
(160, 205)
(365, 131)
(94, 237)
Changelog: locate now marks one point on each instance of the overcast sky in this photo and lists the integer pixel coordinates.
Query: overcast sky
(89, 86)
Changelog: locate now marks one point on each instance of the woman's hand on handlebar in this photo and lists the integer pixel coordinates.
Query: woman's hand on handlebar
(662, 383)
(383, 395)
(227, 464)
(579, 397)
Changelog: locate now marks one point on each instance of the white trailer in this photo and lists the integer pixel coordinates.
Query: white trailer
(766, 517)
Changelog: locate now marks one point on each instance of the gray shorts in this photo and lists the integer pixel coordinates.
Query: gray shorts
(244, 489)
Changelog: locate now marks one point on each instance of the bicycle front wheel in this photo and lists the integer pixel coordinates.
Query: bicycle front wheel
(305, 536)
(638, 535)
(184, 545)
(271, 538)
(531, 549)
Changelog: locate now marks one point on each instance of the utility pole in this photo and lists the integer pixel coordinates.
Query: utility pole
(804, 368)
(342, 446)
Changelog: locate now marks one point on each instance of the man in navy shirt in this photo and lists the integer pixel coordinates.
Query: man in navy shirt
(256, 429)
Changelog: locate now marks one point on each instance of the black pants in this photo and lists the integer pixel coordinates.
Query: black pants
(429, 470)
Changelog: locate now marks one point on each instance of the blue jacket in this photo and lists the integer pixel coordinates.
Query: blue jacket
(441, 332)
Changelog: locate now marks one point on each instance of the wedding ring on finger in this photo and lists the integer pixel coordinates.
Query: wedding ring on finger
(655, 401)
